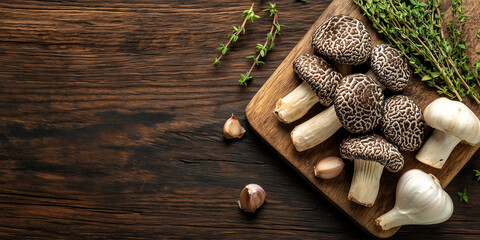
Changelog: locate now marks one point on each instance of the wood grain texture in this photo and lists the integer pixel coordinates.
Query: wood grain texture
(260, 115)
(111, 118)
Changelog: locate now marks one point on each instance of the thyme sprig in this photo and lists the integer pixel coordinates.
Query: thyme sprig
(248, 14)
(463, 195)
(416, 28)
(477, 174)
(262, 49)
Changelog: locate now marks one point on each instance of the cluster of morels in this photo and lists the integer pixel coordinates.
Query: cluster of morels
(356, 102)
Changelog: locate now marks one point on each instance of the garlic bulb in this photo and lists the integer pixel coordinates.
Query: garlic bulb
(420, 200)
(251, 197)
(232, 128)
(328, 167)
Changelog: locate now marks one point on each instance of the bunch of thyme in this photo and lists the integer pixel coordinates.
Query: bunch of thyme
(248, 15)
(416, 29)
(268, 45)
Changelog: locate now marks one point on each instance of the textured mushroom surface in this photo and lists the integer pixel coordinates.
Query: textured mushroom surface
(372, 147)
(358, 103)
(390, 67)
(403, 123)
(317, 73)
(343, 39)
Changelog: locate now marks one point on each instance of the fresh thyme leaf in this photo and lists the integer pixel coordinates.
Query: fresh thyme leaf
(271, 9)
(216, 62)
(244, 78)
(477, 174)
(463, 195)
(433, 47)
(263, 53)
(251, 57)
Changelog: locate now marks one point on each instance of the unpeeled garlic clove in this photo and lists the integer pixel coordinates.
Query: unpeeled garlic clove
(232, 128)
(328, 167)
(251, 197)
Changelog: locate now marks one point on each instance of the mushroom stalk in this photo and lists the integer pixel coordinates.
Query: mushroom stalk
(437, 149)
(366, 182)
(295, 104)
(453, 121)
(315, 130)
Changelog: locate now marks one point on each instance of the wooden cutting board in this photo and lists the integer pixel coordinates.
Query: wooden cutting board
(259, 113)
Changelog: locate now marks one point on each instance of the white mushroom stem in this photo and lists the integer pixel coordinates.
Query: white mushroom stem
(315, 130)
(437, 149)
(453, 121)
(365, 182)
(319, 128)
(296, 104)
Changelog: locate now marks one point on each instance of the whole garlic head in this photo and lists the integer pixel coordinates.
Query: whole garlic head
(420, 199)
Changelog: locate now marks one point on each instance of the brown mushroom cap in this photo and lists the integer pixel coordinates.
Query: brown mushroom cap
(390, 67)
(317, 73)
(403, 123)
(372, 147)
(358, 103)
(343, 39)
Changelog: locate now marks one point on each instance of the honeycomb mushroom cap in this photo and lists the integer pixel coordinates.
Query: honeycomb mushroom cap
(372, 147)
(358, 103)
(343, 39)
(390, 67)
(403, 123)
(319, 75)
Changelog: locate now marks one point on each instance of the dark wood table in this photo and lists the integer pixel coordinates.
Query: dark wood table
(111, 127)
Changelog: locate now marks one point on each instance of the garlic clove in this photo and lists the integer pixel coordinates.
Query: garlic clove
(232, 128)
(251, 197)
(328, 167)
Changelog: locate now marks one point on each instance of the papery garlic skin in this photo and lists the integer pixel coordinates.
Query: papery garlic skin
(420, 200)
(232, 128)
(251, 197)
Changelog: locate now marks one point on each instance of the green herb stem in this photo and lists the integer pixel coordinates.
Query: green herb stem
(262, 49)
(248, 15)
(415, 28)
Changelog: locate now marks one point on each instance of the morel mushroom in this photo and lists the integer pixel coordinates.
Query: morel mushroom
(357, 107)
(402, 123)
(390, 67)
(320, 81)
(370, 154)
(453, 122)
(344, 40)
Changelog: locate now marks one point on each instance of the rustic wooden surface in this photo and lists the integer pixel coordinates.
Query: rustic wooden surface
(111, 118)
(260, 116)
